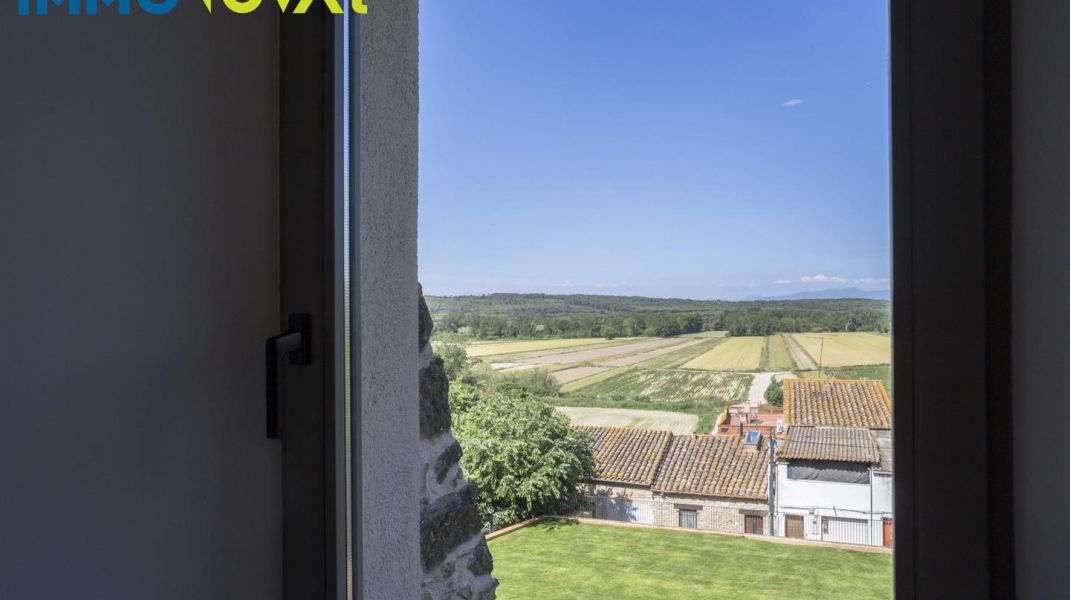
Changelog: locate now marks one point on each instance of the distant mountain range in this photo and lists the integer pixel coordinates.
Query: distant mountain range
(831, 294)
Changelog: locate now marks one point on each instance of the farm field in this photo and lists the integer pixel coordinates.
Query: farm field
(625, 361)
(574, 373)
(799, 356)
(570, 560)
(680, 356)
(670, 386)
(777, 357)
(845, 349)
(699, 393)
(880, 372)
(734, 354)
(596, 353)
(481, 349)
(678, 423)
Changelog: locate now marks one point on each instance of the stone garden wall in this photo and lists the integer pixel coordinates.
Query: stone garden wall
(456, 561)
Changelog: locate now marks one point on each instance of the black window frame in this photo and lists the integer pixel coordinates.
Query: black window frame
(951, 132)
(951, 308)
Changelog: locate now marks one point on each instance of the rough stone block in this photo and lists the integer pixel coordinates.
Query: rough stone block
(434, 400)
(481, 562)
(449, 457)
(451, 521)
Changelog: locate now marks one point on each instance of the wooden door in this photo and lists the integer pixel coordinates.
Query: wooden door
(889, 533)
(794, 526)
(754, 524)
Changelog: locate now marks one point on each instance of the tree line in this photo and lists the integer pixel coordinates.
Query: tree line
(481, 326)
(751, 320)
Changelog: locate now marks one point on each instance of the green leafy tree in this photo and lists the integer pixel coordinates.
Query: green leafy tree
(522, 454)
(462, 397)
(774, 394)
(454, 358)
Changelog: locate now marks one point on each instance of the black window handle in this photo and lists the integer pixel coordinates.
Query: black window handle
(297, 343)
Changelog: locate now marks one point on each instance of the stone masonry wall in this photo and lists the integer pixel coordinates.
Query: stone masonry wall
(454, 555)
(714, 514)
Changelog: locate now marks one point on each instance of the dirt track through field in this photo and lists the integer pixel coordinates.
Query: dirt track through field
(801, 358)
(596, 353)
(625, 361)
(678, 423)
(761, 381)
(567, 375)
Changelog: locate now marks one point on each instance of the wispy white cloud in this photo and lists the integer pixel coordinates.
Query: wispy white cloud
(588, 284)
(792, 102)
(822, 280)
(873, 281)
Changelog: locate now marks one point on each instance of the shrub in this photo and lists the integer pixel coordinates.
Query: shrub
(536, 382)
(522, 454)
(774, 394)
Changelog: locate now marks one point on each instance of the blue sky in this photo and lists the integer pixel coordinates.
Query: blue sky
(700, 148)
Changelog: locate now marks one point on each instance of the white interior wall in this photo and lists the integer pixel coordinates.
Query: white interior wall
(389, 300)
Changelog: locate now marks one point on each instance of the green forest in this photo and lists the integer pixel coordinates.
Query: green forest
(525, 316)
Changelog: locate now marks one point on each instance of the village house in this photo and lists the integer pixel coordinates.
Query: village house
(716, 483)
(626, 460)
(834, 466)
(738, 419)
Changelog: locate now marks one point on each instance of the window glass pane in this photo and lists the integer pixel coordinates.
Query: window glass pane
(656, 250)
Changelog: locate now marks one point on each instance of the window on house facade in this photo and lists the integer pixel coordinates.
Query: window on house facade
(836, 472)
(689, 518)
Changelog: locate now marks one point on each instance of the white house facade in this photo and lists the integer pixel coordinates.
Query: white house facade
(833, 474)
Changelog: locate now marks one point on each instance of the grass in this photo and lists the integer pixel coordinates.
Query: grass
(881, 372)
(482, 349)
(563, 560)
(844, 349)
(734, 354)
(777, 357)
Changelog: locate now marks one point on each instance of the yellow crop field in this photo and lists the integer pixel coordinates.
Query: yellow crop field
(480, 349)
(734, 354)
(844, 349)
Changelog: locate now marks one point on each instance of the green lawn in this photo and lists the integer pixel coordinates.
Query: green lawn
(570, 560)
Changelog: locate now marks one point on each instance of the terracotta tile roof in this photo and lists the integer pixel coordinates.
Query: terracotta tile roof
(627, 455)
(837, 403)
(714, 466)
(845, 444)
